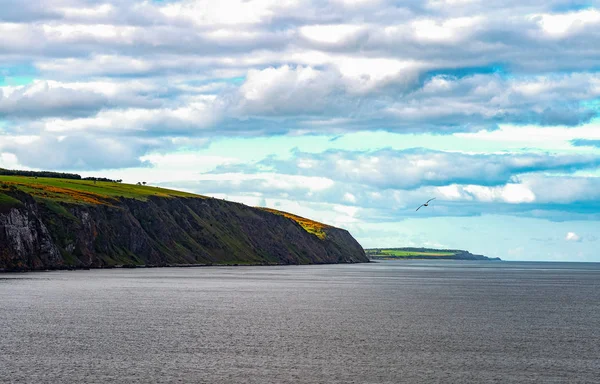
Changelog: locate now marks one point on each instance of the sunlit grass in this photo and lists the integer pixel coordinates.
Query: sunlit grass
(398, 253)
(309, 226)
(85, 191)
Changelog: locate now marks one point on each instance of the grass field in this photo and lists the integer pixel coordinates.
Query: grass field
(84, 191)
(397, 253)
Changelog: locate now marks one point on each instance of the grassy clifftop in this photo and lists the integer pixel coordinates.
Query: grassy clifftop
(89, 192)
(83, 191)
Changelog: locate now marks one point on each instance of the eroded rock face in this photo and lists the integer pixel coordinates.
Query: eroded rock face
(25, 241)
(162, 231)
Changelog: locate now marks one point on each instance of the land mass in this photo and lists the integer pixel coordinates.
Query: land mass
(423, 254)
(63, 223)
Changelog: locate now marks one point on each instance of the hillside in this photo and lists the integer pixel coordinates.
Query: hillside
(423, 254)
(55, 223)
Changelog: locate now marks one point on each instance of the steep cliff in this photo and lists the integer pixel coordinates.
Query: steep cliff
(44, 233)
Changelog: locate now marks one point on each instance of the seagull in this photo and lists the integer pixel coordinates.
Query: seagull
(426, 204)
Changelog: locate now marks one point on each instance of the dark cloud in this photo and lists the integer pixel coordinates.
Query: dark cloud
(50, 102)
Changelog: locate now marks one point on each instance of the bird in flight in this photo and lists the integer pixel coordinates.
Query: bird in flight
(426, 204)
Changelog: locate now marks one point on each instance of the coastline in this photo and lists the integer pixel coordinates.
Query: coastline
(142, 266)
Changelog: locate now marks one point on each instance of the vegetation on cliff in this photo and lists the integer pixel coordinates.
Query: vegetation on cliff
(310, 226)
(64, 223)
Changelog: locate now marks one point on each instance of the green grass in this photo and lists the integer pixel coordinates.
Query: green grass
(398, 253)
(8, 202)
(57, 208)
(85, 191)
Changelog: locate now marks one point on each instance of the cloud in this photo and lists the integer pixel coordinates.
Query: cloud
(564, 189)
(372, 205)
(414, 168)
(78, 152)
(18, 11)
(401, 67)
(489, 99)
(285, 90)
(572, 236)
(89, 152)
(390, 100)
(570, 23)
(41, 100)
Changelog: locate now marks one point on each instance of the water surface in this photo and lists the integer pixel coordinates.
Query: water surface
(389, 322)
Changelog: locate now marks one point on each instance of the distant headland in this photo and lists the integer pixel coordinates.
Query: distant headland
(423, 254)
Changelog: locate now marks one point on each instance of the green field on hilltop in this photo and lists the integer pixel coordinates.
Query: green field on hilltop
(80, 191)
(407, 253)
(399, 253)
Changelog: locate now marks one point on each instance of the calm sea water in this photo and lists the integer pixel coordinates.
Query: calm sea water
(390, 322)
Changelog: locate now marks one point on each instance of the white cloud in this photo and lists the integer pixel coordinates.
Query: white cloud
(9, 161)
(413, 168)
(563, 24)
(450, 30)
(194, 116)
(572, 236)
(349, 197)
(100, 10)
(330, 34)
(362, 74)
(285, 90)
(563, 190)
(509, 193)
(228, 12)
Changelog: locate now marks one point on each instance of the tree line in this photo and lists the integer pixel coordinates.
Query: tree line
(53, 175)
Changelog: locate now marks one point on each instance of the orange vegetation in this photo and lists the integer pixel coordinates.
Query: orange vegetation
(68, 194)
(310, 226)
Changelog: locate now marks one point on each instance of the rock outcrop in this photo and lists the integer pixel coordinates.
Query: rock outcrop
(160, 232)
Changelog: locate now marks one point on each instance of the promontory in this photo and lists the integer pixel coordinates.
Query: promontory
(64, 221)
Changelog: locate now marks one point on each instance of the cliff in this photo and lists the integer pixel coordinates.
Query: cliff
(58, 229)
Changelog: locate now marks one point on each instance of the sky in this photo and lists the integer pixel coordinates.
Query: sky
(350, 112)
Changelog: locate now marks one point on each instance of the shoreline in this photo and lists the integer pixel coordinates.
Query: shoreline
(72, 268)
(436, 258)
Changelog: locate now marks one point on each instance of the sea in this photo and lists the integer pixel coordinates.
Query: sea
(385, 322)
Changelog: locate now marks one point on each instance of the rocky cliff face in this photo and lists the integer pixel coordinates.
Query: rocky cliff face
(160, 232)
